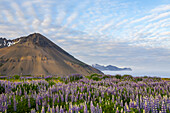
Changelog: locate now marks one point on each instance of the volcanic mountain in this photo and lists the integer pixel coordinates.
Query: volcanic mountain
(37, 55)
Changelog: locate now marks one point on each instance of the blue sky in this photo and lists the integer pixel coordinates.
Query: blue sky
(125, 33)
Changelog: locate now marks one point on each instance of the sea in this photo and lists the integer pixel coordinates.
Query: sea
(140, 73)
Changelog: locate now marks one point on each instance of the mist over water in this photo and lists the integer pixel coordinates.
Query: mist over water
(140, 73)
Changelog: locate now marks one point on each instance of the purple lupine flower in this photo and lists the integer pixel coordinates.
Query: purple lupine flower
(97, 108)
(117, 110)
(33, 111)
(121, 104)
(100, 100)
(57, 109)
(121, 110)
(113, 98)
(92, 108)
(25, 93)
(37, 107)
(81, 107)
(62, 98)
(15, 103)
(70, 106)
(146, 106)
(70, 111)
(163, 107)
(20, 92)
(102, 94)
(66, 98)
(76, 109)
(43, 109)
(88, 98)
(138, 109)
(37, 101)
(48, 110)
(9, 102)
(141, 103)
(85, 108)
(126, 107)
(29, 104)
(72, 98)
(100, 111)
(61, 109)
(53, 109)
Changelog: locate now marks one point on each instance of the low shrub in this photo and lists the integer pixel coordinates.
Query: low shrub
(96, 78)
(118, 76)
(16, 76)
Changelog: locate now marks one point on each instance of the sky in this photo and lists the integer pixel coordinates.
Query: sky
(124, 33)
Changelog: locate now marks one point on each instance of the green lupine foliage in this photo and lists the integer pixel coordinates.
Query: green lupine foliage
(2, 89)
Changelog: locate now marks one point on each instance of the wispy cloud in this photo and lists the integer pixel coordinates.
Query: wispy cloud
(47, 21)
(36, 24)
(9, 16)
(142, 19)
(19, 13)
(60, 17)
(106, 26)
(70, 19)
(161, 8)
(30, 10)
(162, 15)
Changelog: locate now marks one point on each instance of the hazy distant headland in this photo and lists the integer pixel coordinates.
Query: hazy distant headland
(110, 68)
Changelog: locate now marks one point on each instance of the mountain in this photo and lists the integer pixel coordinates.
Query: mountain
(110, 68)
(35, 55)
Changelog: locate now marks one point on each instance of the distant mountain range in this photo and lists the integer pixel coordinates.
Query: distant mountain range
(110, 68)
(37, 55)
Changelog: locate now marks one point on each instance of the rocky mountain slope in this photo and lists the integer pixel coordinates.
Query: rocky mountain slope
(37, 55)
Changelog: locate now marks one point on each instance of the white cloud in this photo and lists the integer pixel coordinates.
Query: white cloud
(167, 33)
(36, 24)
(142, 19)
(19, 13)
(161, 8)
(30, 8)
(106, 26)
(47, 21)
(62, 40)
(73, 26)
(60, 17)
(70, 19)
(9, 16)
(162, 15)
(121, 23)
(165, 24)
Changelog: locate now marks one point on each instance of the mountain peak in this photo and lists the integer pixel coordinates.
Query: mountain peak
(37, 39)
(36, 35)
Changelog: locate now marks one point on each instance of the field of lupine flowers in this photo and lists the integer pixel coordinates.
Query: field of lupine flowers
(84, 94)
